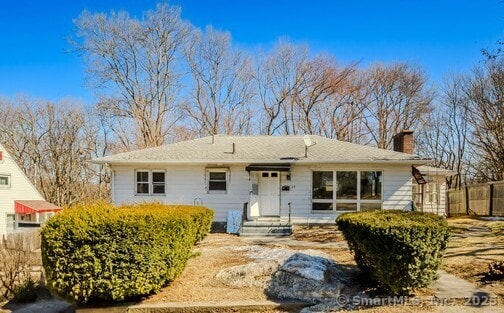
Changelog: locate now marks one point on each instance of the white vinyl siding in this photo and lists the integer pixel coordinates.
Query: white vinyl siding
(185, 183)
(396, 190)
(20, 189)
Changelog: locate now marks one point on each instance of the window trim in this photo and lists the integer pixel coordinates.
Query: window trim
(431, 194)
(149, 182)
(335, 201)
(9, 181)
(217, 170)
(158, 183)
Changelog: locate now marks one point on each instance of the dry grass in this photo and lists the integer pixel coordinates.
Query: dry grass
(317, 233)
(475, 243)
(198, 284)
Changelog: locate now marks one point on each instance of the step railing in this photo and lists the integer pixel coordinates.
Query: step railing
(290, 211)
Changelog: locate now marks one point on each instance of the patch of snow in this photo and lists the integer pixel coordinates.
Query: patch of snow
(492, 218)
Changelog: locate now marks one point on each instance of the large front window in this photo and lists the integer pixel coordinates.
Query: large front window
(346, 191)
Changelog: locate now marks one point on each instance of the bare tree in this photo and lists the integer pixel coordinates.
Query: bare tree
(445, 140)
(339, 117)
(486, 115)
(221, 91)
(136, 61)
(396, 99)
(321, 78)
(52, 143)
(278, 77)
(15, 265)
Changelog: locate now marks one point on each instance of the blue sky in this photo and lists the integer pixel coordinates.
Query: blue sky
(442, 36)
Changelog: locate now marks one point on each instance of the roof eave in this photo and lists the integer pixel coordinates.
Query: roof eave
(306, 161)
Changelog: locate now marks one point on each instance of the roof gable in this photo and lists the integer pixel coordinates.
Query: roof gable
(21, 186)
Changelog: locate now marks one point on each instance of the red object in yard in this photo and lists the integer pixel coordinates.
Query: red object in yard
(1, 156)
(34, 206)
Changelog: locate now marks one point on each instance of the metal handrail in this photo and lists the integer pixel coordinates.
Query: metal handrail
(289, 220)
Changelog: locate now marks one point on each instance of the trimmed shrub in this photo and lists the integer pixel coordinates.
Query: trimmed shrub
(400, 250)
(102, 252)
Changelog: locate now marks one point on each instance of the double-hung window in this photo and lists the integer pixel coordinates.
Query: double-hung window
(346, 191)
(142, 183)
(150, 182)
(158, 182)
(5, 181)
(217, 180)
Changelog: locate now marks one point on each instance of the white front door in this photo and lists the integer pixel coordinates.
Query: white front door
(269, 194)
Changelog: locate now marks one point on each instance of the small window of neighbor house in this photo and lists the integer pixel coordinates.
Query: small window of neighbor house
(142, 182)
(5, 181)
(217, 180)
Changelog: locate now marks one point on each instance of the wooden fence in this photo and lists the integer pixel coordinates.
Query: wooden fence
(480, 199)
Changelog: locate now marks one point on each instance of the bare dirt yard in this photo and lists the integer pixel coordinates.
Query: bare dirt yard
(474, 244)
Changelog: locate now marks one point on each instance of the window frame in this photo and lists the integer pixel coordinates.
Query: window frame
(217, 170)
(153, 183)
(431, 194)
(150, 182)
(334, 201)
(330, 201)
(9, 181)
(142, 182)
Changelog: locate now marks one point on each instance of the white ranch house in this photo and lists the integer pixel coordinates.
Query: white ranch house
(21, 205)
(273, 178)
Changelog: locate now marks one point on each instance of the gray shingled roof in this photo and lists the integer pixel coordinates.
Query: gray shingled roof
(263, 149)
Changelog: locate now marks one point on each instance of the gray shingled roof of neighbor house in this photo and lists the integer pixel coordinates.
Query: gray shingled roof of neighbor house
(264, 149)
(431, 170)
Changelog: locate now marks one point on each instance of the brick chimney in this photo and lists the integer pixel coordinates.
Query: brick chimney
(403, 142)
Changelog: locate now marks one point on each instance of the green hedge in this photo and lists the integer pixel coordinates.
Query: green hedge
(400, 250)
(102, 252)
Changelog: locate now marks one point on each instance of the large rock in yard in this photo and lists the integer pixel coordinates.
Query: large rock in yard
(307, 275)
(307, 278)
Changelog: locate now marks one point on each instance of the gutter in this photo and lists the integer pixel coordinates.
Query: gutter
(246, 162)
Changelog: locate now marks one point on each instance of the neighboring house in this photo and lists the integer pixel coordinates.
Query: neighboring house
(21, 205)
(430, 197)
(429, 183)
(296, 179)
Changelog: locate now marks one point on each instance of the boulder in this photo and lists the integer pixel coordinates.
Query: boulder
(306, 278)
(306, 275)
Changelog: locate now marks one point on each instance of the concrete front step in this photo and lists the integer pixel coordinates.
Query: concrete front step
(201, 307)
(263, 228)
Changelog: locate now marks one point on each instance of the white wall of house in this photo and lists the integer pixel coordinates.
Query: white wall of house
(186, 183)
(20, 188)
(438, 206)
